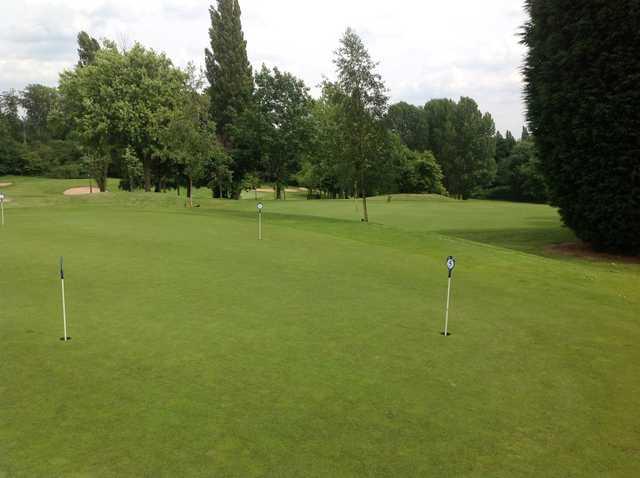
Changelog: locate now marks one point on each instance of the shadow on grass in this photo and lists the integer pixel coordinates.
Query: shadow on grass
(532, 240)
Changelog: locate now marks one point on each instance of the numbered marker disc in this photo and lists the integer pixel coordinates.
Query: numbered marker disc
(451, 263)
(1, 197)
(260, 206)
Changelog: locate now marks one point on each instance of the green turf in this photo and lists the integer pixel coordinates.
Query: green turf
(199, 351)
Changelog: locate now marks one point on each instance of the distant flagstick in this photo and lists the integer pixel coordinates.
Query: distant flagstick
(64, 306)
(2, 206)
(260, 207)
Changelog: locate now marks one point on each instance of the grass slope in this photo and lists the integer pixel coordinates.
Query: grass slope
(199, 351)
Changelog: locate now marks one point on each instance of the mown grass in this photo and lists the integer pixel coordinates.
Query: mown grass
(199, 351)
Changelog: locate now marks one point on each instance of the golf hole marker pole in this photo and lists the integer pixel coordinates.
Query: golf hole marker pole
(2, 206)
(260, 207)
(451, 264)
(64, 306)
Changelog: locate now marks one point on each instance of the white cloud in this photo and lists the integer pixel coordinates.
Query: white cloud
(426, 48)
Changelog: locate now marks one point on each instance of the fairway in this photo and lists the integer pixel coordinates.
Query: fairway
(198, 350)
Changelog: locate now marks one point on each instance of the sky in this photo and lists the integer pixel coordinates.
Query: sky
(425, 48)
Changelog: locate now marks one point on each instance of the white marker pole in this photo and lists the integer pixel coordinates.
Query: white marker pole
(2, 206)
(451, 263)
(446, 318)
(64, 306)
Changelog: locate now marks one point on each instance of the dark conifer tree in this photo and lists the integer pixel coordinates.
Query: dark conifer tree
(582, 74)
(228, 69)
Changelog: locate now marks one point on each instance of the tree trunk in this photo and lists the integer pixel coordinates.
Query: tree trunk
(178, 186)
(146, 166)
(102, 181)
(364, 199)
(190, 191)
(220, 187)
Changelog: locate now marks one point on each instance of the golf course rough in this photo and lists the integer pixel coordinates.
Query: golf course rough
(200, 351)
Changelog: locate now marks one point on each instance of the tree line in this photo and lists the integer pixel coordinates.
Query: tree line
(130, 113)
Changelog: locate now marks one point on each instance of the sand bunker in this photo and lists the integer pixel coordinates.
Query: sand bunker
(81, 191)
(4, 185)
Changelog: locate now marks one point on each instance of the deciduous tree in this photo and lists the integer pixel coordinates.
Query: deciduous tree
(411, 123)
(463, 141)
(121, 100)
(284, 106)
(38, 102)
(361, 94)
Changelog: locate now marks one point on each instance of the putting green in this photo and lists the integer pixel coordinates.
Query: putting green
(199, 351)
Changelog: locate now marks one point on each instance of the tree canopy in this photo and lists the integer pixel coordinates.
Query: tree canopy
(361, 95)
(284, 109)
(131, 113)
(122, 100)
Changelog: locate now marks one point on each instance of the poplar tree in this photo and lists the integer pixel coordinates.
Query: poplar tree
(228, 68)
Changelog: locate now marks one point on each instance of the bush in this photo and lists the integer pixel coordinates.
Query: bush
(56, 159)
(421, 174)
(68, 171)
(11, 157)
(519, 176)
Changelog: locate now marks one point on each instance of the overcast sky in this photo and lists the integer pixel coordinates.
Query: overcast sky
(426, 48)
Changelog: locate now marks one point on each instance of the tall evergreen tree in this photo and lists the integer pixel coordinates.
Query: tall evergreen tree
(582, 74)
(525, 134)
(228, 68)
